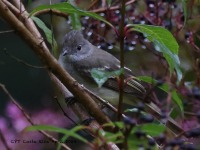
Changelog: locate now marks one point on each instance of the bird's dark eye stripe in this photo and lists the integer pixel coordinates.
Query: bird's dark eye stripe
(79, 47)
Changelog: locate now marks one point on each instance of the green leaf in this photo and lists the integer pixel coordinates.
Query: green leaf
(68, 133)
(184, 3)
(151, 129)
(109, 2)
(75, 18)
(47, 33)
(29, 2)
(164, 42)
(70, 9)
(175, 113)
(118, 124)
(75, 21)
(166, 88)
(101, 76)
(66, 136)
(113, 137)
(177, 100)
(147, 79)
(135, 143)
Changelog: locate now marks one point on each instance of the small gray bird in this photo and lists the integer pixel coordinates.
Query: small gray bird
(79, 57)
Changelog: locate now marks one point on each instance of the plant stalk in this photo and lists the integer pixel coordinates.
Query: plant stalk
(121, 38)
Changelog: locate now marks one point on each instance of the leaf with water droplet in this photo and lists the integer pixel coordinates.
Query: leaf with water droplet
(100, 75)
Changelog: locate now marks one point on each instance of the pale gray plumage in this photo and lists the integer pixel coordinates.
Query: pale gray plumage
(79, 56)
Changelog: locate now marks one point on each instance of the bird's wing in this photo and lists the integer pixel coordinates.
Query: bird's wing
(131, 86)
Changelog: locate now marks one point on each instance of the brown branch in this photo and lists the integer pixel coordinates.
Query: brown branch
(121, 40)
(29, 118)
(92, 4)
(103, 3)
(48, 60)
(78, 108)
(112, 8)
(12, 7)
(17, 3)
(21, 13)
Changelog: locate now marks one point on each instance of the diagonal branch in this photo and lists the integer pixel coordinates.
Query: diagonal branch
(43, 53)
(4, 141)
(112, 8)
(22, 61)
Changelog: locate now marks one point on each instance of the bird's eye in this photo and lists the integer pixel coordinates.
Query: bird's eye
(79, 47)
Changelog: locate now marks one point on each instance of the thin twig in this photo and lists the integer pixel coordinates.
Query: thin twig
(103, 3)
(52, 30)
(29, 118)
(112, 8)
(121, 38)
(23, 62)
(92, 4)
(7, 31)
(104, 102)
(4, 141)
(65, 114)
(190, 113)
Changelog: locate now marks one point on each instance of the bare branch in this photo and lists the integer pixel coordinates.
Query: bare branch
(92, 4)
(4, 141)
(23, 62)
(7, 31)
(112, 8)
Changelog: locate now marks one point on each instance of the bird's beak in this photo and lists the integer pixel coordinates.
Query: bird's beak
(64, 52)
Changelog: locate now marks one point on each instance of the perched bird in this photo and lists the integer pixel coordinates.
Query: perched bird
(79, 57)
